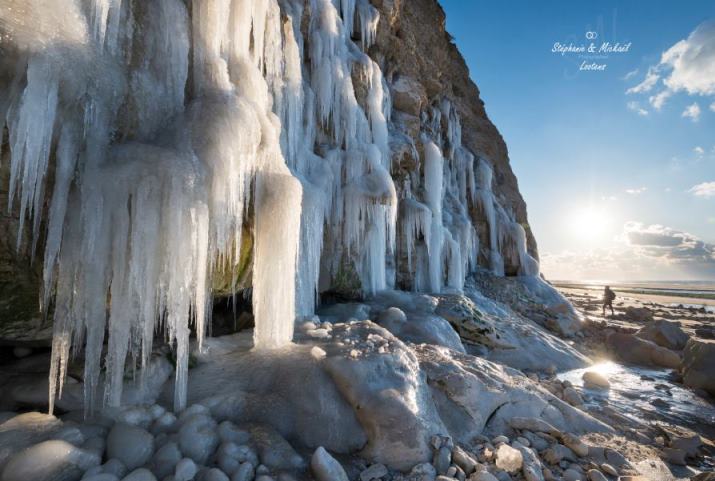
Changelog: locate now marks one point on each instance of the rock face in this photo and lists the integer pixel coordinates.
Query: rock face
(699, 364)
(431, 94)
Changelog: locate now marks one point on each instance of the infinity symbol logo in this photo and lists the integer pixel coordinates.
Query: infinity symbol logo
(591, 35)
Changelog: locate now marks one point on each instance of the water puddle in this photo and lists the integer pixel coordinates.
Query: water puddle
(647, 396)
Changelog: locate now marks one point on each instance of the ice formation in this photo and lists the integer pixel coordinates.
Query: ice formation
(167, 126)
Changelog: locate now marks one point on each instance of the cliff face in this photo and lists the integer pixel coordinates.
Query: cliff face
(433, 100)
(418, 52)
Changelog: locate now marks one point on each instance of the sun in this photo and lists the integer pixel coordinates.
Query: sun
(589, 223)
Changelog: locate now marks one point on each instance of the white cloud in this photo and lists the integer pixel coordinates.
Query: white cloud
(642, 252)
(636, 107)
(687, 66)
(699, 151)
(705, 190)
(712, 106)
(630, 74)
(692, 111)
(636, 191)
(651, 78)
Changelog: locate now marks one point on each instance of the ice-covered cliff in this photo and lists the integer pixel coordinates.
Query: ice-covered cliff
(159, 151)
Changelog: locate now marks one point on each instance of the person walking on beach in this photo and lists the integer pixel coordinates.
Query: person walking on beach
(608, 297)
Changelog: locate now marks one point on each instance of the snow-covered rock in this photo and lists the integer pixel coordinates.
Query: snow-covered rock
(131, 445)
(49, 461)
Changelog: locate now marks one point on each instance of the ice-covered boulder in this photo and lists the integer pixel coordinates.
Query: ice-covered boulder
(667, 334)
(379, 397)
(54, 460)
(131, 445)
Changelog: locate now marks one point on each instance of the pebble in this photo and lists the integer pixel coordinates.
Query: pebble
(229, 432)
(131, 445)
(198, 436)
(500, 439)
(115, 467)
(464, 460)
(166, 459)
(608, 469)
(423, 472)
(509, 459)
(442, 459)
(575, 444)
(572, 397)
(325, 467)
(376, 471)
(185, 470)
(101, 477)
(483, 476)
(215, 474)
(244, 472)
(572, 475)
(140, 474)
(596, 475)
(524, 441)
(48, 460)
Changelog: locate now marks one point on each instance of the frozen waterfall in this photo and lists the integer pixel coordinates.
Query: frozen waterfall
(144, 137)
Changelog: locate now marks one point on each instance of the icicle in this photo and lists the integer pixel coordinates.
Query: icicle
(434, 173)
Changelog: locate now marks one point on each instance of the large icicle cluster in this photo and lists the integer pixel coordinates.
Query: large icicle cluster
(166, 128)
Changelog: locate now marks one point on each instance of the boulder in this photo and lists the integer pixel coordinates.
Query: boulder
(509, 459)
(131, 445)
(593, 379)
(639, 314)
(49, 461)
(635, 350)
(699, 365)
(664, 333)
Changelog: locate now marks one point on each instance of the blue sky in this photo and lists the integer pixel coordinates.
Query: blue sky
(609, 179)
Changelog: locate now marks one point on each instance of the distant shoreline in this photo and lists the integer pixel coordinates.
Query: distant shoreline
(673, 292)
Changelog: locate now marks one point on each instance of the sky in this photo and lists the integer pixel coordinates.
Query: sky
(615, 150)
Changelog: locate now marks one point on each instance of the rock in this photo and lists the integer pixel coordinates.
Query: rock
(228, 431)
(131, 445)
(444, 478)
(572, 397)
(185, 470)
(575, 444)
(499, 440)
(442, 459)
(392, 314)
(572, 475)
(49, 461)
(533, 424)
(115, 467)
(523, 441)
(596, 475)
(593, 379)
(166, 459)
(639, 314)
(101, 477)
(674, 456)
(215, 474)
(667, 334)
(198, 437)
(273, 450)
(325, 467)
(531, 466)
(508, 458)
(699, 365)
(464, 460)
(376, 471)
(639, 351)
(557, 452)
(422, 472)
(21, 351)
(141, 474)
(548, 474)
(244, 472)
(608, 469)
(483, 476)
(689, 444)
(408, 95)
